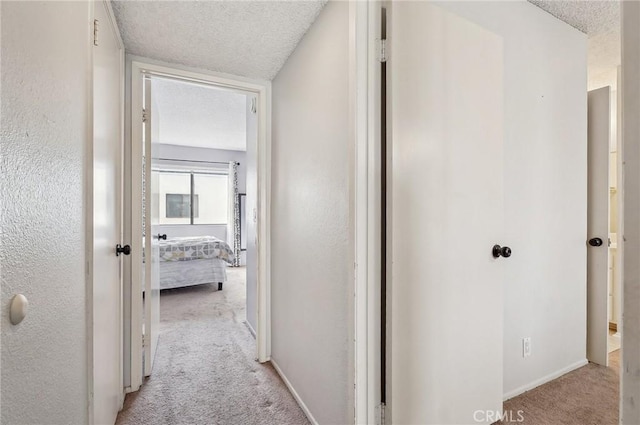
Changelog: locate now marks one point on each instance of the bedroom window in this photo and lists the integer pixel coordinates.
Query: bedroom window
(193, 197)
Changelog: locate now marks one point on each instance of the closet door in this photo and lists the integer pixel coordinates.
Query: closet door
(446, 206)
(106, 193)
(598, 137)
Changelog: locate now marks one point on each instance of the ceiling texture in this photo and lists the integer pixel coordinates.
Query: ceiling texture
(195, 115)
(246, 38)
(254, 39)
(600, 20)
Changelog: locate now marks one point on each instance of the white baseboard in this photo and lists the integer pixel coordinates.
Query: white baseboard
(544, 379)
(251, 330)
(295, 394)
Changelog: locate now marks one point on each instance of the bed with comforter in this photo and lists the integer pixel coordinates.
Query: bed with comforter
(194, 261)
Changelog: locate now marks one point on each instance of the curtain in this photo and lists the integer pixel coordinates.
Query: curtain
(233, 226)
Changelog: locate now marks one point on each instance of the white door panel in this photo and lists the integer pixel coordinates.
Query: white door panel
(446, 118)
(599, 119)
(107, 226)
(152, 221)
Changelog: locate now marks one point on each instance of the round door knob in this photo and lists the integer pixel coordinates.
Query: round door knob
(126, 250)
(501, 251)
(595, 242)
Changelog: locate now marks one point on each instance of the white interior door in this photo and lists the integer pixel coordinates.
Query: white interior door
(152, 221)
(599, 121)
(107, 221)
(446, 206)
(251, 220)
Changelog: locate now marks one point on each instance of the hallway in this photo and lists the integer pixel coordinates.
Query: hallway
(205, 372)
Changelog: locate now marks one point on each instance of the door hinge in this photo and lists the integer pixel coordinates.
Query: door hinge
(380, 419)
(144, 341)
(383, 50)
(96, 25)
(254, 105)
(144, 115)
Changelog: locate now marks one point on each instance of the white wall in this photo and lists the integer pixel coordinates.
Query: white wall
(545, 188)
(311, 253)
(45, 64)
(201, 154)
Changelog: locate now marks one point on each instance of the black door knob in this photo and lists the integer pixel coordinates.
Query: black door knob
(126, 250)
(161, 236)
(501, 251)
(595, 242)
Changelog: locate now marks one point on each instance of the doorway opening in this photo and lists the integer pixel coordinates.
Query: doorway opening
(605, 205)
(199, 144)
(199, 184)
(614, 295)
(604, 289)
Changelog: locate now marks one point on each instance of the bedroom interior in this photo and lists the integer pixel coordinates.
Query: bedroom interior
(199, 165)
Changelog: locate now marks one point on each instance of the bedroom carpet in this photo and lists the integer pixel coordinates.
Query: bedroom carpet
(585, 396)
(205, 372)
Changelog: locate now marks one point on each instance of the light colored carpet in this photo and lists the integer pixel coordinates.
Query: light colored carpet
(205, 372)
(586, 396)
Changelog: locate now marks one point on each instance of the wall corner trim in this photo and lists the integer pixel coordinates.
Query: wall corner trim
(295, 394)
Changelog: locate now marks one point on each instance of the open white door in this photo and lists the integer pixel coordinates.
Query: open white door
(599, 121)
(152, 216)
(446, 215)
(108, 392)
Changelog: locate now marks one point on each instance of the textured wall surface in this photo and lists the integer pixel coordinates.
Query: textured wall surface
(631, 244)
(545, 182)
(44, 48)
(311, 293)
(247, 38)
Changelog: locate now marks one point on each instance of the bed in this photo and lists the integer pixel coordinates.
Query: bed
(194, 261)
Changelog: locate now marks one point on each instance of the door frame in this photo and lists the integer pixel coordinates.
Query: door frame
(365, 119)
(629, 190)
(113, 27)
(262, 90)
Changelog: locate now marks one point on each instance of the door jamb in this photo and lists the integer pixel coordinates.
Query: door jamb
(365, 93)
(262, 91)
(630, 241)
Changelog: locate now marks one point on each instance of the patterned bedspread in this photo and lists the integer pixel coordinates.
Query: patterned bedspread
(195, 248)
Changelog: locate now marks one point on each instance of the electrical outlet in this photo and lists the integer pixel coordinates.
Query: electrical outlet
(526, 346)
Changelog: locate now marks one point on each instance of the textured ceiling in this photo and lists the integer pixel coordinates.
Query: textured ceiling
(590, 17)
(246, 38)
(600, 20)
(193, 115)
